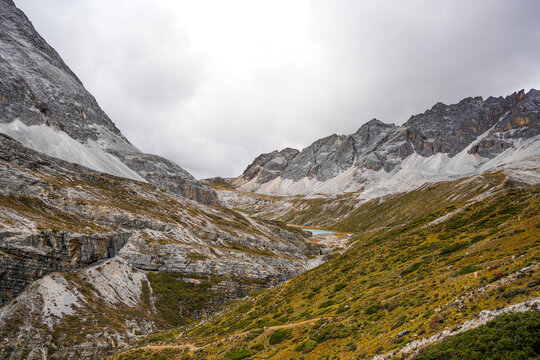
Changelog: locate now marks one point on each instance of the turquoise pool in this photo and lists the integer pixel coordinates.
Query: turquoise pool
(317, 232)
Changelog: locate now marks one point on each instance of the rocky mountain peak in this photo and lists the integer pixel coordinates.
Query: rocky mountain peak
(267, 166)
(46, 107)
(374, 123)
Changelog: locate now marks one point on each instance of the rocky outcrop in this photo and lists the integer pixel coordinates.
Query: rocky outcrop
(45, 106)
(377, 151)
(168, 176)
(25, 258)
(269, 166)
(522, 121)
(78, 315)
(101, 309)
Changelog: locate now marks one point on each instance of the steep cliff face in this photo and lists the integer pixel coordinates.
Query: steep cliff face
(45, 106)
(26, 257)
(446, 141)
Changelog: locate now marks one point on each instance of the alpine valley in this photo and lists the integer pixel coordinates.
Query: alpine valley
(430, 248)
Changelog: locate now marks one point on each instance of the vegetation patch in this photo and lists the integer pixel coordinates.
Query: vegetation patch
(513, 336)
(177, 300)
(239, 354)
(279, 336)
(467, 270)
(306, 346)
(453, 248)
(379, 311)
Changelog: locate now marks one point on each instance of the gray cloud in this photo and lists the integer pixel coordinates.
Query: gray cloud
(212, 85)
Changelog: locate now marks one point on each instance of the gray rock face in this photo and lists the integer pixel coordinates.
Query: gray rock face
(37, 87)
(269, 166)
(168, 176)
(40, 94)
(55, 215)
(450, 128)
(521, 122)
(447, 129)
(26, 258)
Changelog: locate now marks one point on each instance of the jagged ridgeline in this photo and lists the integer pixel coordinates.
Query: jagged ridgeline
(107, 251)
(446, 141)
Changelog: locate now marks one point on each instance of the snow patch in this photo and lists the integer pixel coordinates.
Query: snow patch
(59, 144)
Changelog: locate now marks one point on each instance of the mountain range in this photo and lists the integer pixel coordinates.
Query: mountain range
(445, 142)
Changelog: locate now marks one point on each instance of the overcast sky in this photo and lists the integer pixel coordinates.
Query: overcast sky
(211, 84)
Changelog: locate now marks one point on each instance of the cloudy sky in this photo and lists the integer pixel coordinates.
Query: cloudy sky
(211, 84)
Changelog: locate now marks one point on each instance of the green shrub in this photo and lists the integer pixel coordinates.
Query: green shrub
(258, 347)
(453, 248)
(326, 303)
(513, 336)
(412, 268)
(239, 354)
(478, 238)
(338, 287)
(333, 331)
(306, 346)
(278, 336)
(467, 270)
(457, 223)
(373, 309)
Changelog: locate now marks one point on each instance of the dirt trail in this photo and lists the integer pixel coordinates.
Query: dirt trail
(193, 347)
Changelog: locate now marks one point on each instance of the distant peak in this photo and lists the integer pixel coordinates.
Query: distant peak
(373, 123)
(289, 150)
(439, 105)
(532, 92)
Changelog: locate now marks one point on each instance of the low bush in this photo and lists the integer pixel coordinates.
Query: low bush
(239, 354)
(278, 336)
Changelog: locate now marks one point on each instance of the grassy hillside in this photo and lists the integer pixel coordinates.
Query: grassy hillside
(437, 259)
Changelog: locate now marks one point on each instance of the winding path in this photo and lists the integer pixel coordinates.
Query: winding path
(193, 347)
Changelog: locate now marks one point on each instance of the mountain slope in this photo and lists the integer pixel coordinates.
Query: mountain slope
(415, 280)
(58, 216)
(46, 107)
(445, 142)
